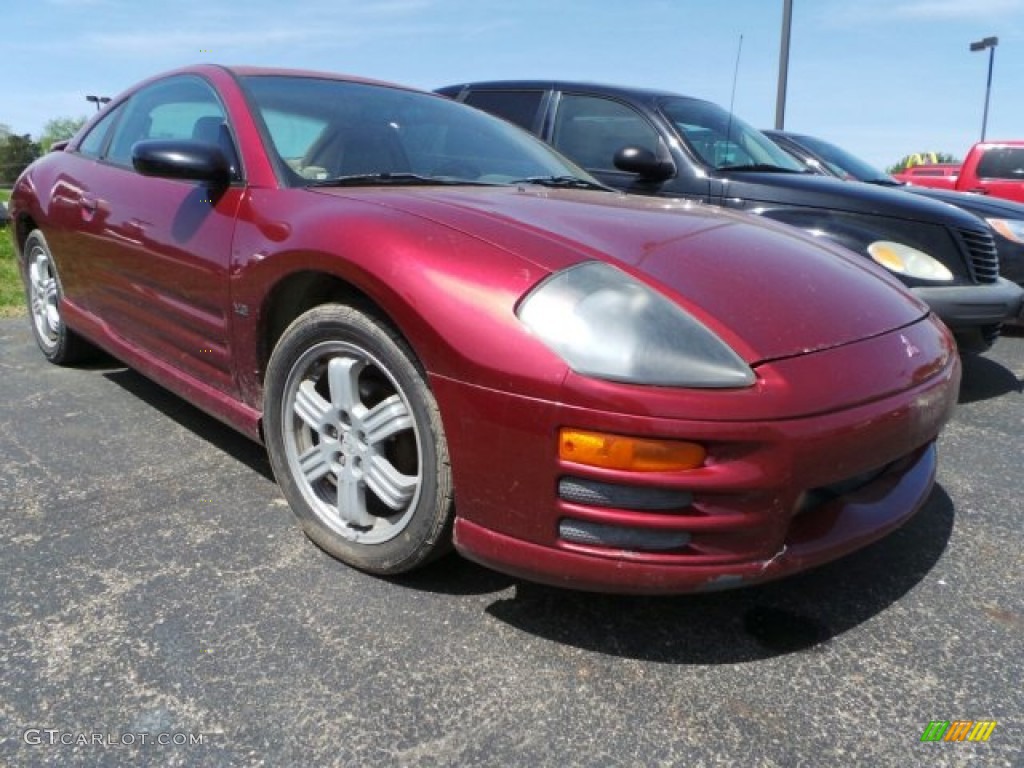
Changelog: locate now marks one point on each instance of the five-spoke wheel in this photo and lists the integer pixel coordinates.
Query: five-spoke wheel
(356, 441)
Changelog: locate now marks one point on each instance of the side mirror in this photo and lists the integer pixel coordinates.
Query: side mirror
(181, 159)
(644, 163)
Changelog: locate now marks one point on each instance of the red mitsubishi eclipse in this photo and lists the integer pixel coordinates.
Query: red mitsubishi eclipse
(444, 333)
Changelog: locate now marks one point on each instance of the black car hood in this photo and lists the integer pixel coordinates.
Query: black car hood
(768, 190)
(979, 205)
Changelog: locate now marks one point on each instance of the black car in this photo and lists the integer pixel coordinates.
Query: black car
(1004, 217)
(659, 143)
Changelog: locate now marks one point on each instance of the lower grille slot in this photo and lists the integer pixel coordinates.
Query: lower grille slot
(616, 537)
(597, 494)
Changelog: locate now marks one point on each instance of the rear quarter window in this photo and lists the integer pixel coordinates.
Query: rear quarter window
(519, 107)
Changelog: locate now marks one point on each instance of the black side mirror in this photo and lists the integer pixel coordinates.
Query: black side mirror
(181, 159)
(644, 163)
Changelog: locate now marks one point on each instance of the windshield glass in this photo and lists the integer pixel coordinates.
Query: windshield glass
(723, 141)
(842, 161)
(321, 129)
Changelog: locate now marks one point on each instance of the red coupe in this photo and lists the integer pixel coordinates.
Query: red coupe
(445, 332)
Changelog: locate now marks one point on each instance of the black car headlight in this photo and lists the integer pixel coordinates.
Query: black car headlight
(904, 260)
(1011, 229)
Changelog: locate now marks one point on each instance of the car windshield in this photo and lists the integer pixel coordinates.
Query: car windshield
(323, 131)
(842, 162)
(722, 140)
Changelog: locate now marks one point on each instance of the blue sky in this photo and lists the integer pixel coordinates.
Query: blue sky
(882, 78)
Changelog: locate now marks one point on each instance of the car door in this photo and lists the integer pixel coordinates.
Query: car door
(159, 249)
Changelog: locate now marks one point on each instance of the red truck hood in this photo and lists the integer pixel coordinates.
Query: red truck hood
(767, 290)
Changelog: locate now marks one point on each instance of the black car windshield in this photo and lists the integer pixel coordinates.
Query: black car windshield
(322, 130)
(842, 162)
(722, 140)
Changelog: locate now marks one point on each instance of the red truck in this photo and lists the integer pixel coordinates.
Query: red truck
(937, 175)
(991, 168)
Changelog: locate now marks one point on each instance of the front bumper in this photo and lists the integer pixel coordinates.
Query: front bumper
(776, 495)
(970, 306)
(833, 530)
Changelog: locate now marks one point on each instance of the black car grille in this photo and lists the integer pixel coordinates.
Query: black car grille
(984, 261)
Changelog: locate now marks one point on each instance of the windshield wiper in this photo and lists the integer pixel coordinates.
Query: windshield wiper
(562, 182)
(378, 179)
(768, 167)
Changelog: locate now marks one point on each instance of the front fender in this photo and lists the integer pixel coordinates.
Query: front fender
(856, 231)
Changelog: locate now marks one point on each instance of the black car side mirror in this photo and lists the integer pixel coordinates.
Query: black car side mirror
(181, 159)
(644, 163)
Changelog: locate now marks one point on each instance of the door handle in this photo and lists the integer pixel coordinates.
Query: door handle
(91, 206)
(978, 191)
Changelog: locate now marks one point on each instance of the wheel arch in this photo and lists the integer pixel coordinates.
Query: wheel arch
(298, 292)
(24, 225)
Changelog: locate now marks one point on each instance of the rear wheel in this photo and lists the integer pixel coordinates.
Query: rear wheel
(356, 442)
(57, 342)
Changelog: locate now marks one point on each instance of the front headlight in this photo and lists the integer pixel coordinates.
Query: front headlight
(904, 260)
(1011, 229)
(605, 324)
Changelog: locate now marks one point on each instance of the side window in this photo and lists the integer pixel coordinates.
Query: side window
(590, 130)
(1002, 163)
(182, 107)
(519, 107)
(92, 144)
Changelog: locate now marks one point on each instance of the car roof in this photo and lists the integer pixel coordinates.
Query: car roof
(607, 89)
(253, 71)
(245, 70)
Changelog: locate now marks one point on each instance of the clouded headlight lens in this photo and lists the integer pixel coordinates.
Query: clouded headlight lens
(605, 324)
(1011, 229)
(904, 260)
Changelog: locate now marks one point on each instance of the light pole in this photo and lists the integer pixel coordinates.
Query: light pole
(98, 100)
(780, 97)
(981, 45)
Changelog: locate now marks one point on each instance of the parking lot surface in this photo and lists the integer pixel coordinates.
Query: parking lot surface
(161, 607)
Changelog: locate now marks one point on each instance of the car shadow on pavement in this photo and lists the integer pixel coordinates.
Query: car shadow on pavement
(454, 575)
(798, 614)
(232, 442)
(984, 379)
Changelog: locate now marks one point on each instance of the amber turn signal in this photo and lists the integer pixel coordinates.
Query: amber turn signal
(600, 449)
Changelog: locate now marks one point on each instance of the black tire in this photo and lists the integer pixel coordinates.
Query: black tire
(58, 343)
(977, 341)
(348, 414)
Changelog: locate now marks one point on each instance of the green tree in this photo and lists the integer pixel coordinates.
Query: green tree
(16, 152)
(59, 129)
(919, 158)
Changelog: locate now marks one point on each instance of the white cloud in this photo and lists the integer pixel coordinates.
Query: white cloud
(953, 9)
(156, 43)
(866, 12)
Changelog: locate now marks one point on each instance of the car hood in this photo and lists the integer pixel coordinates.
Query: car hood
(979, 205)
(768, 290)
(762, 189)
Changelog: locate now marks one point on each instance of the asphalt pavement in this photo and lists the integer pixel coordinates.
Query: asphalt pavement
(162, 608)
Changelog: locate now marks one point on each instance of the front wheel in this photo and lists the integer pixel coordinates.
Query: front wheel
(356, 442)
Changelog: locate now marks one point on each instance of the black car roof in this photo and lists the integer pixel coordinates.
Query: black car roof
(644, 94)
